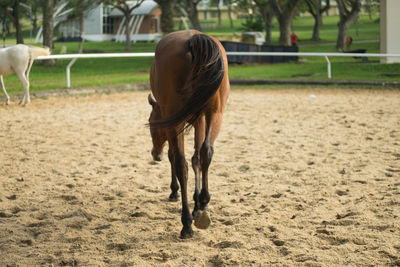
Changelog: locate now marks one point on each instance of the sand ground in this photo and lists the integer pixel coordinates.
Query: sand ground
(299, 178)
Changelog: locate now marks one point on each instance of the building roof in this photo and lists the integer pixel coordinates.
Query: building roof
(144, 9)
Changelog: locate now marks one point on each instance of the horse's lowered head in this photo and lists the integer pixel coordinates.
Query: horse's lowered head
(158, 136)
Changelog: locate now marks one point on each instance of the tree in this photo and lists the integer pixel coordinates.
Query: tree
(48, 27)
(17, 24)
(260, 15)
(372, 6)
(79, 8)
(229, 3)
(267, 14)
(191, 7)
(218, 4)
(316, 10)
(126, 8)
(284, 11)
(167, 15)
(11, 8)
(35, 5)
(252, 24)
(348, 13)
(5, 27)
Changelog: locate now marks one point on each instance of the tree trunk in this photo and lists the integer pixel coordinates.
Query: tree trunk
(267, 16)
(167, 15)
(317, 26)
(285, 24)
(219, 17)
(230, 16)
(34, 19)
(20, 36)
(285, 15)
(346, 19)
(316, 10)
(268, 30)
(193, 14)
(3, 32)
(34, 25)
(81, 28)
(48, 22)
(342, 34)
(128, 32)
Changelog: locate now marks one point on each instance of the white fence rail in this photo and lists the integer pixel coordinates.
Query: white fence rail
(74, 57)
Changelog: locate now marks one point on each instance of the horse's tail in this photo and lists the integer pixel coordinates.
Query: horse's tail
(207, 73)
(38, 51)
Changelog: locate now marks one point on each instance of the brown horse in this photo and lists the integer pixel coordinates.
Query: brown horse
(189, 80)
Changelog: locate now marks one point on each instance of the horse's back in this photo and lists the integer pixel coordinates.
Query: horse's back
(13, 59)
(17, 51)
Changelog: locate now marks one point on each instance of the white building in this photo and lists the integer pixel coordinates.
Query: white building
(104, 23)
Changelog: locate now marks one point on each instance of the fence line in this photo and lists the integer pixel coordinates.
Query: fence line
(74, 57)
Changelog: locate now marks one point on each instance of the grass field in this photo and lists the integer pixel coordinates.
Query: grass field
(120, 71)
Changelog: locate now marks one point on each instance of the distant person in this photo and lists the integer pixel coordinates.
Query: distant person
(349, 41)
(293, 39)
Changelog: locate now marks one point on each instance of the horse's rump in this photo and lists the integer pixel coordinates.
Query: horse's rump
(206, 74)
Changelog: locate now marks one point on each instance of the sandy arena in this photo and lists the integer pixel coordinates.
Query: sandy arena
(299, 178)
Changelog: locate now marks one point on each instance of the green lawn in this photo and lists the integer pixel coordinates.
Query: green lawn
(365, 30)
(91, 73)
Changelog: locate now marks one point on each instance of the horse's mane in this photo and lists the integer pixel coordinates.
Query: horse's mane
(38, 51)
(207, 73)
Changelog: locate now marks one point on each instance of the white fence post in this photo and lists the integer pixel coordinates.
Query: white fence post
(69, 72)
(329, 67)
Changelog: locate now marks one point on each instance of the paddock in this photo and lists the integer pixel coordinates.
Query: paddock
(300, 177)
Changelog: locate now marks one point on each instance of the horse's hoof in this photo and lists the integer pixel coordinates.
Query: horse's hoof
(186, 233)
(202, 219)
(174, 197)
(156, 157)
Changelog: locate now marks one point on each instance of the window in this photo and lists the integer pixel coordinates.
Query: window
(155, 24)
(108, 22)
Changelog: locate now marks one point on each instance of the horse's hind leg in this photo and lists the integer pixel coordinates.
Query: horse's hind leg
(199, 135)
(28, 69)
(25, 83)
(3, 88)
(213, 125)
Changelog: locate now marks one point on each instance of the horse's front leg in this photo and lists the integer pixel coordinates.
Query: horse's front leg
(181, 169)
(174, 196)
(3, 88)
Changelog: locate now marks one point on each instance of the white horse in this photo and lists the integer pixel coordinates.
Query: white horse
(19, 59)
